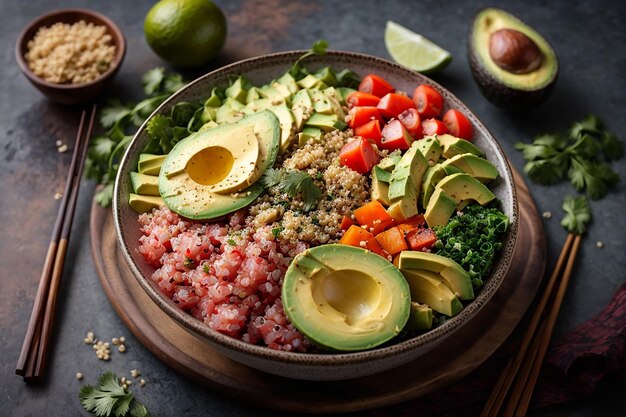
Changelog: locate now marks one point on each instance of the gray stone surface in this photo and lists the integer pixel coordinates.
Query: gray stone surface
(589, 38)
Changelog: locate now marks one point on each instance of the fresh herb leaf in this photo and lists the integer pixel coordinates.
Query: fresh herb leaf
(109, 398)
(301, 183)
(472, 239)
(272, 177)
(318, 48)
(152, 80)
(577, 214)
(276, 231)
(183, 112)
(347, 78)
(231, 242)
(119, 120)
(582, 157)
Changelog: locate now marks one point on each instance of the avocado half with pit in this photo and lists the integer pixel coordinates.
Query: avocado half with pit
(215, 172)
(514, 66)
(345, 298)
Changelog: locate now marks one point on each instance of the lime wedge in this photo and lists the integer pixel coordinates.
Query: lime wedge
(414, 51)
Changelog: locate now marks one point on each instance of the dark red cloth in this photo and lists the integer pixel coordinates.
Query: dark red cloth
(575, 365)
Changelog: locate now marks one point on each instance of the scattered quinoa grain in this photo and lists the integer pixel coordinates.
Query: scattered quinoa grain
(547, 215)
(62, 148)
(142, 382)
(121, 348)
(57, 196)
(79, 375)
(122, 339)
(135, 373)
(600, 244)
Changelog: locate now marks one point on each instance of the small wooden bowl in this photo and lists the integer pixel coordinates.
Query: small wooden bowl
(71, 93)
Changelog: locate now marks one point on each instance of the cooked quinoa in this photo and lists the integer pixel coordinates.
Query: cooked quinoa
(70, 54)
(343, 190)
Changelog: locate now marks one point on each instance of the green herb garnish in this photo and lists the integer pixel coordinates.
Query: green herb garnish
(297, 71)
(120, 122)
(231, 242)
(577, 214)
(472, 239)
(109, 398)
(294, 183)
(582, 156)
(276, 231)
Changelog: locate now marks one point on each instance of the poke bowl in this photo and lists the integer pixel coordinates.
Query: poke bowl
(304, 245)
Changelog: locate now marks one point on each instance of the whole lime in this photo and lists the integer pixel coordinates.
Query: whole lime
(186, 33)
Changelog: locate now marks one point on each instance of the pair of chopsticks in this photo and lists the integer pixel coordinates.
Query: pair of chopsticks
(519, 376)
(33, 356)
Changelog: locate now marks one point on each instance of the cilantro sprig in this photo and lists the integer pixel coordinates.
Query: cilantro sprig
(577, 214)
(582, 156)
(120, 122)
(109, 398)
(294, 184)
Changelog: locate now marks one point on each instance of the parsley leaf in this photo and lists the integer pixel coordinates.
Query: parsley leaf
(276, 231)
(301, 183)
(119, 121)
(109, 398)
(272, 177)
(577, 214)
(582, 157)
(297, 71)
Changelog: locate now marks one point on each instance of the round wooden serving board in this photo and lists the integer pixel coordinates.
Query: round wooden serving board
(462, 352)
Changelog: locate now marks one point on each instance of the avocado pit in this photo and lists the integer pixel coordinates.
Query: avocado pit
(514, 52)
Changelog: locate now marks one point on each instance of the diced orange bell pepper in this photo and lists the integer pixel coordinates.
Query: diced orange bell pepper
(374, 216)
(355, 235)
(346, 222)
(373, 245)
(392, 240)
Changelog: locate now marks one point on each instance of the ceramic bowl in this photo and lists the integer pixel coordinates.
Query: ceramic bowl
(71, 93)
(309, 366)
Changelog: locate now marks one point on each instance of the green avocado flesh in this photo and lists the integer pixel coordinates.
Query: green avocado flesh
(504, 88)
(345, 298)
(188, 196)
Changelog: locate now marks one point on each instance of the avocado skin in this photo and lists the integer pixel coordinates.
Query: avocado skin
(502, 96)
(499, 94)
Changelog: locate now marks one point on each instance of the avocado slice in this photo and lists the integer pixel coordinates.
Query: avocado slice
(327, 76)
(421, 317)
(311, 81)
(288, 81)
(430, 148)
(272, 94)
(463, 186)
(150, 164)
(309, 134)
(453, 274)
(479, 168)
(429, 288)
(326, 122)
(389, 162)
(515, 79)
(439, 209)
(301, 107)
(285, 117)
(407, 173)
(186, 185)
(208, 125)
(321, 102)
(455, 146)
(144, 203)
(237, 90)
(404, 208)
(432, 176)
(144, 184)
(230, 111)
(345, 298)
(252, 94)
(380, 186)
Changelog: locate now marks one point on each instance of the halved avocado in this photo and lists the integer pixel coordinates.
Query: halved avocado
(345, 298)
(186, 184)
(514, 66)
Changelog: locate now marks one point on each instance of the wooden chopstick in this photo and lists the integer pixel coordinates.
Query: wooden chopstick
(508, 375)
(33, 342)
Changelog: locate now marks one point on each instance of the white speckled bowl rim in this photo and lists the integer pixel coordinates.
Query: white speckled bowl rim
(128, 231)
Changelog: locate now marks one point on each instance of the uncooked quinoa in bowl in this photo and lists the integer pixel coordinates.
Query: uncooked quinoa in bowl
(335, 212)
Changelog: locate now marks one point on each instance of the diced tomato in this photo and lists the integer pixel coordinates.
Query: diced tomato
(458, 124)
(363, 114)
(373, 84)
(395, 136)
(415, 221)
(355, 235)
(346, 222)
(428, 101)
(406, 228)
(370, 130)
(358, 155)
(373, 245)
(359, 98)
(433, 127)
(410, 118)
(374, 216)
(392, 104)
(392, 240)
(421, 238)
